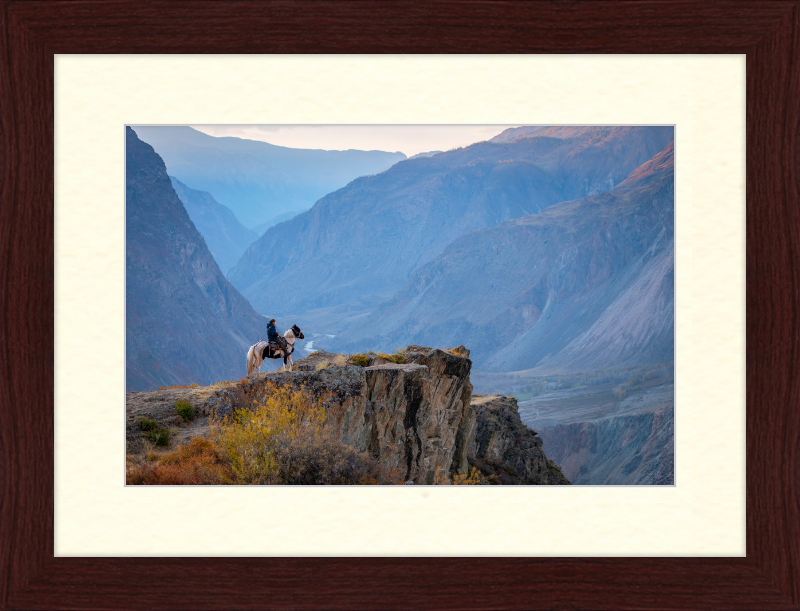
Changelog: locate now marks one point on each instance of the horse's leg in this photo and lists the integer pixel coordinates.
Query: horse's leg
(291, 363)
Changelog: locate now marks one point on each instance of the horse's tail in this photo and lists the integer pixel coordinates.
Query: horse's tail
(251, 359)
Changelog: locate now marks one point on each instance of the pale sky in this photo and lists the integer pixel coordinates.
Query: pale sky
(409, 139)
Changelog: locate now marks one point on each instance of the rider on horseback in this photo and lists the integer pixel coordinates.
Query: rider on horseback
(273, 337)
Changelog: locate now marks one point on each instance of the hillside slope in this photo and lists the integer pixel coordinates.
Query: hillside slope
(585, 284)
(224, 235)
(184, 322)
(358, 245)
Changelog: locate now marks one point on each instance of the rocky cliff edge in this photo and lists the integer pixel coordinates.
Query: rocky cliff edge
(416, 415)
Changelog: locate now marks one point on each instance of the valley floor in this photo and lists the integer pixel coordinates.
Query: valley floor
(592, 402)
(599, 439)
(604, 427)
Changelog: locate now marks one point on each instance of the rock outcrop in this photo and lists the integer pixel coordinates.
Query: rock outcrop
(505, 449)
(414, 416)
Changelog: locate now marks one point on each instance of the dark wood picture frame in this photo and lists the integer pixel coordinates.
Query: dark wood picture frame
(33, 31)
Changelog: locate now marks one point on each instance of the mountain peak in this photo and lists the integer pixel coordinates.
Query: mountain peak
(184, 322)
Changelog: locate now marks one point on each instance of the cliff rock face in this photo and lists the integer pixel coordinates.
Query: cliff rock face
(184, 322)
(507, 450)
(224, 235)
(414, 416)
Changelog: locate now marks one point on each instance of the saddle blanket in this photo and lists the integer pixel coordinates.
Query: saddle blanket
(270, 349)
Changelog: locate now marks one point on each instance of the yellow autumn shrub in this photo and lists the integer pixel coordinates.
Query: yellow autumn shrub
(250, 438)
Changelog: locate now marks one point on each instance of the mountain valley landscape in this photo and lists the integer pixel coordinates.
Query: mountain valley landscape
(258, 181)
(501, 312)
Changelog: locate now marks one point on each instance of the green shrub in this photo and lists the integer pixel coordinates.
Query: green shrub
(362, 360)
(159, 437)
(185, 410)
(148, 425)
(393, 358)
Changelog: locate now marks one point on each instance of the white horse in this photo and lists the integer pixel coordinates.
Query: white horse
(262, 350)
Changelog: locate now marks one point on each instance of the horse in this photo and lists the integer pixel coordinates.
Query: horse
(262, 350)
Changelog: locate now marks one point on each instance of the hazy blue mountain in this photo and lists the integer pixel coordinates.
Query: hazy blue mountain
(225, 236)
(585, 284)
(262, 228)
(184, 322)
(357, 246)
(257, 180)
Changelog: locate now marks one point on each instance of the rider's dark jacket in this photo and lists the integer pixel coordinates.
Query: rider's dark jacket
(272, 333)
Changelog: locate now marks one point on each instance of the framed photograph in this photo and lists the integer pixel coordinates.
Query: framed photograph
(40, 560)
(443, 304)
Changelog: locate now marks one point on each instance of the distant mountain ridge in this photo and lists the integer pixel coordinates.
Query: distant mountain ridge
(255, 179)
(224, 235)
(357, 246)
(587, 283)
(184, 322)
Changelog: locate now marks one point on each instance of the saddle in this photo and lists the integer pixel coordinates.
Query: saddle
(270, 349)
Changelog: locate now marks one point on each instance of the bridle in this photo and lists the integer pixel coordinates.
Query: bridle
(294, 338)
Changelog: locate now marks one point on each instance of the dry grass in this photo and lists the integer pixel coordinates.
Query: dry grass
(197, 463)
(226, 384)
(173, 387)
